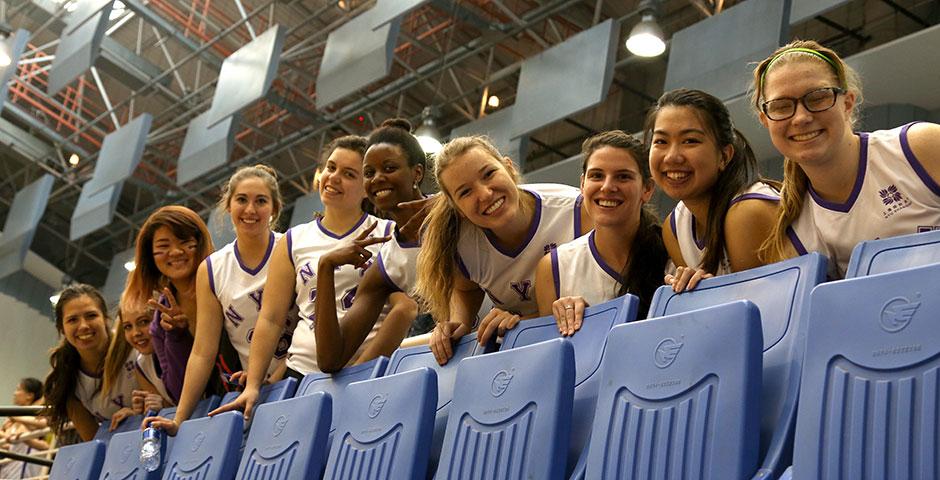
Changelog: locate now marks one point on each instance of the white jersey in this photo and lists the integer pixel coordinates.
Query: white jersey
(682, 223)
(147, 366)
(893, 195)
(239, 290)
(579, 271)
(508, 277)
(398, 262)
(88, 391)
(12, 469)
(307, 243)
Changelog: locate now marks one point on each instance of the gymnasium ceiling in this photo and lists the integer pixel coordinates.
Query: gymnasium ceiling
(447, 55)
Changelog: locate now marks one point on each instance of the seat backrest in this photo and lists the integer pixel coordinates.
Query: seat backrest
(511, 414)
(384, 428)
(122, 458)
(202, 409)
(413, 358)
(288, 439)
(206, 448)
(869, 392)
(894, 253)
(335, 384)
(129, 424)
(781, 292)
(588, 345)
(274, 392)
(677, 399)
(78, 462)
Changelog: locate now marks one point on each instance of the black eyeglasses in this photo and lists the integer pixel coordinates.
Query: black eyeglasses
(816, 101)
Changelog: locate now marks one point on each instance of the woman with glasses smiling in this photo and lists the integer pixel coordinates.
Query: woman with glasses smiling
(840, 187)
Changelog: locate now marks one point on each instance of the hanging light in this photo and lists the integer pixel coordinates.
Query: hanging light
(54, 299)
(429, 137)
(5, 59)
(130, 265)
(646, 38)
(74, 159)
(493, 101)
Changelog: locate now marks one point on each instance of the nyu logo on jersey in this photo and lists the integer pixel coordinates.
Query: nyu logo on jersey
(550, 247)
(256, 297)
(306, 273)
(522, 289)
(233, 316)
(893, 199)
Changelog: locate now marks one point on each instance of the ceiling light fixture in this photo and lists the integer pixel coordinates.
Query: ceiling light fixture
(130, 265)
(74, 159)
(646, 38)
(427, 134)
(493, 101)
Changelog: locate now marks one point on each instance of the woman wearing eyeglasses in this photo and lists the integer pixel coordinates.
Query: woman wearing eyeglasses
(840, 187)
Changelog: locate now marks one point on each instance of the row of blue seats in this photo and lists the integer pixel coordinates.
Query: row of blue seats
(708, 392)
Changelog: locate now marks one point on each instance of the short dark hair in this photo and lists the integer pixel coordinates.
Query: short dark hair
(32, 386)
(397, 131)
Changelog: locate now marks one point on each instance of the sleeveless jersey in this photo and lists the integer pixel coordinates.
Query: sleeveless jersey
(893, 195)
(240, 290)
(147, 366)
(682, 223)
(508, 277)
(307, 243)
(88, 391)
(398, 262)
(579, 271)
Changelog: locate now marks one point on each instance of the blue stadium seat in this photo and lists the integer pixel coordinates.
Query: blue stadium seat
(78, 462)
(895, 253)
(274, 392)
(781, 292)
(206, 448)
(122, 459)
(511, 414)
(588, 345)
(412, 358)
(202, 409)
(335, 384)
(129, 424)
(869, 392)
(678, 399)
(385, 426)
(288, 439)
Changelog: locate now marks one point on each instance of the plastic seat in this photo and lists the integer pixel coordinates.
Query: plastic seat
(202, 409)
(678, 400)
(869, 392)
(895, 253)
(335, 384)
(781, 292)
(588, 345)
(129, 424)
(122, 459)
(274, 392)
(288, 439)
(206, 448)
(511, 414)
(385, 426)
(412, 358)
(78, 462)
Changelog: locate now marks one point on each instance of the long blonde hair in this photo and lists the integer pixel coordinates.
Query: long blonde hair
(441, 231)
(795, 181)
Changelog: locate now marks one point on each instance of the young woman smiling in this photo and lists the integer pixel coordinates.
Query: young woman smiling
(840, 187)
(486, 233)
(623, 254)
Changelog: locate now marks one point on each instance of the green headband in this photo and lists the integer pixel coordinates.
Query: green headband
(801, 50)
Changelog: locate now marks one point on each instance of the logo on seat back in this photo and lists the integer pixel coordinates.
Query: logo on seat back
(198, 440)
(376, 405)
(501, 382)
(280, 423)
(666, 352)
(126, 453)
(896, 314)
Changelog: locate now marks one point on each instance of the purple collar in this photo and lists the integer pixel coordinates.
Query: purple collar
(344, 235)
(859, 180)
(533, 228)
(264, 260)
(592, 244)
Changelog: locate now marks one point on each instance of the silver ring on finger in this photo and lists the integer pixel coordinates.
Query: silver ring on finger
(569, 307)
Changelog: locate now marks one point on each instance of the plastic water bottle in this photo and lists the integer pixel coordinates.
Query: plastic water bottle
(151, 446)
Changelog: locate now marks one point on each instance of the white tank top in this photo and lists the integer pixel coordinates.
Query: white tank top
(893, 195)
(398, 261)
(508, 278)
(146, 365)
(88, 391)
(240, 290)
(579, 270)
(682, 223)
(307, 243)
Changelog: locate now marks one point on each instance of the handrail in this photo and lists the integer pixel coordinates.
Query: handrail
(20, 411)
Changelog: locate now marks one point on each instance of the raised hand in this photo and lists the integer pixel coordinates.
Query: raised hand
(172, 316)
(354, 253)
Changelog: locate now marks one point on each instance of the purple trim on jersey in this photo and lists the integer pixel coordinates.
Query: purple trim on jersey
(340, 237)
(859, 180)
(577, 215)
(698, 243)
(795, 240)
(600, 261)
(290, 246)
(461, 266)
(754, 196)
(388, 228)
(264, 260)
(672, 223)
(555, 272)
(402, 244)
(388, 279)
(211, 275)
(533, 228)
(915, 163)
